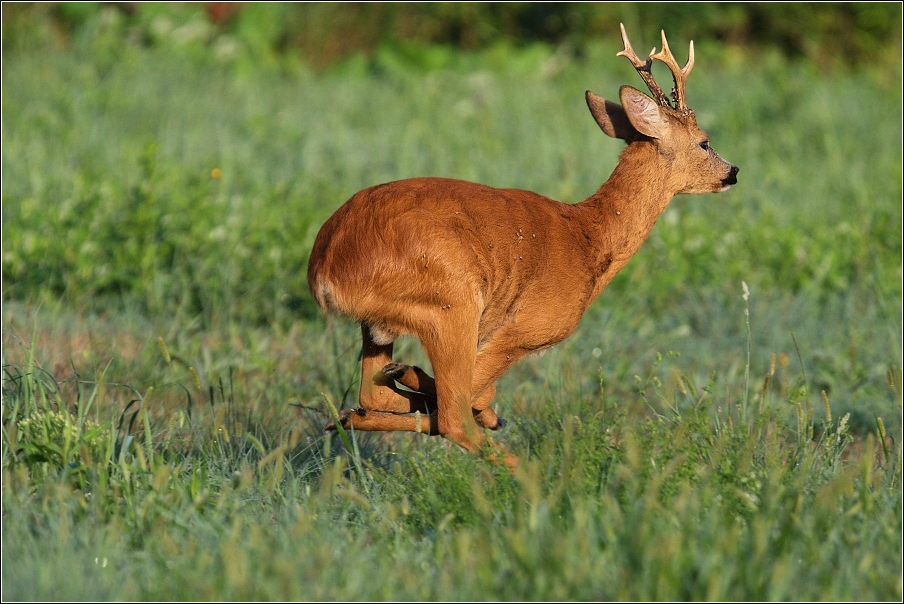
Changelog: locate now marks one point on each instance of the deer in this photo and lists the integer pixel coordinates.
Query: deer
(484, 276)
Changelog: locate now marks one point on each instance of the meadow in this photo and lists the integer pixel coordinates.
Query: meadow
(724, 424)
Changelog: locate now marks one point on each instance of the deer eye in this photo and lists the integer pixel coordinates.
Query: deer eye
(705, 145)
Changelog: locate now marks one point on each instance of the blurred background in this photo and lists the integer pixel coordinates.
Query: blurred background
(322, 34)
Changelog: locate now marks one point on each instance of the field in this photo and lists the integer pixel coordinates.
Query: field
(724, 424)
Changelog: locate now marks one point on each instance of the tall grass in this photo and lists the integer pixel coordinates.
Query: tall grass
(692, 502)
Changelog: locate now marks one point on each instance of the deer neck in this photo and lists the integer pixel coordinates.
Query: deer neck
(618, 218)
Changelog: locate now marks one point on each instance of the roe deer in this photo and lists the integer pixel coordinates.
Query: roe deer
(483, 276)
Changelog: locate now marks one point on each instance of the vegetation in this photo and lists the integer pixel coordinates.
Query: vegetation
(832, 34)
(725, 424)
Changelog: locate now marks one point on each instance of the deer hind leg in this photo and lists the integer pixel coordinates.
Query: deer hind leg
(413, 377)
(377, 392)
(380, 397)
(491, 362)
(362, 419)
(417, 379)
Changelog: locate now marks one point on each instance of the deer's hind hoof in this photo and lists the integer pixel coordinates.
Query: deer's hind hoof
(395, 370)
(344, 418)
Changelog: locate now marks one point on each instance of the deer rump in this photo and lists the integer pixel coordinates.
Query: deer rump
(483, 276)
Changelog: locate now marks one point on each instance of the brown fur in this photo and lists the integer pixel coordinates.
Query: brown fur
(485, 276)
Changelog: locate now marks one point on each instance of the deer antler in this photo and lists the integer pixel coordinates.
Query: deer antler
(644, 68)
(678, 74)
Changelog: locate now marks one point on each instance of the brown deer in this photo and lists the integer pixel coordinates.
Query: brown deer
(483, 276)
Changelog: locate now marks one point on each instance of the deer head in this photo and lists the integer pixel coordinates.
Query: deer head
(669, 125)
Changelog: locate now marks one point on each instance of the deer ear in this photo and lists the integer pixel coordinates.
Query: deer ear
(611, 117)
(643, 112)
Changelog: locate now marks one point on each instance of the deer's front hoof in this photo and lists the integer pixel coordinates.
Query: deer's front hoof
(489, 420)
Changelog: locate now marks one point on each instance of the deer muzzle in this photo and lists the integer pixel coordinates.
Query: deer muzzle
(731, 179)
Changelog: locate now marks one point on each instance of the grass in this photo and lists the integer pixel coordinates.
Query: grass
(166, 372)
(613, 503)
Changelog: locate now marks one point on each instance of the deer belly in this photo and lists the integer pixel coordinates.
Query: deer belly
(532, 324)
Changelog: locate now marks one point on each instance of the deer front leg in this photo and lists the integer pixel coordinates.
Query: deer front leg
(493, 360)
(483, 413)
(451, 345)
(453, 355)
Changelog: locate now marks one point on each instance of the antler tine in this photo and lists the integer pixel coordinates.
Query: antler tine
(678, 74)
(644, 68)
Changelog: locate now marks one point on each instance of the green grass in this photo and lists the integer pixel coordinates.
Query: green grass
(166, 372)
(691, 503)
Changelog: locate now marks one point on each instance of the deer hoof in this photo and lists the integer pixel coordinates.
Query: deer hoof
(395, 370)
(344, 418)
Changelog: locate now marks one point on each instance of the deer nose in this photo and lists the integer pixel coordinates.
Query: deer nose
(732, 177)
